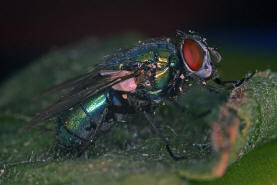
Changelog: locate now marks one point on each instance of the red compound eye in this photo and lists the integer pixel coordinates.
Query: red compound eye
(192, 54)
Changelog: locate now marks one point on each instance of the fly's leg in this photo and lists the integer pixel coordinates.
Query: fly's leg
(235, 83)
(151, 121)
(185, 110)
(93, 133)
(223, 83)
(218, 90)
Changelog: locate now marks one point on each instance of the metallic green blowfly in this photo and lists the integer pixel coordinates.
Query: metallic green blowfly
(138, 80)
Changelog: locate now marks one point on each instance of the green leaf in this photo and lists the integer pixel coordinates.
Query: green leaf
(131, 153)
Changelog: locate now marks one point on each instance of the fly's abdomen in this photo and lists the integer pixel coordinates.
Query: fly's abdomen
(76, 124)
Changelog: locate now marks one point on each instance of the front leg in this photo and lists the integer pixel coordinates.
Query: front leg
(235, 83)
(223, 83)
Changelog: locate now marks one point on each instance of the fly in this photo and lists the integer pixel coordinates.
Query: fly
(138, 80)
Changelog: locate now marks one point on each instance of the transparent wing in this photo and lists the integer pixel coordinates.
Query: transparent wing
(81, 87)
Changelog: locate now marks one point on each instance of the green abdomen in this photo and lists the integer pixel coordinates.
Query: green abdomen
(76, 121)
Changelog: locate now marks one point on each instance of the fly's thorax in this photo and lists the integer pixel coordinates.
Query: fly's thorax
(157, 58)
(161, 62)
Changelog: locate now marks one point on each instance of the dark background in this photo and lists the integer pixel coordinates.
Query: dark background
(31, 28)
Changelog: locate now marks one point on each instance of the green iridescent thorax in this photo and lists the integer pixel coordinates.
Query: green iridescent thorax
(76, 120)
(164, 60)
(162, 74)
(145, 56)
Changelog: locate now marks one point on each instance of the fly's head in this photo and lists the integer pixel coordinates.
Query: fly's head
(196, 55)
